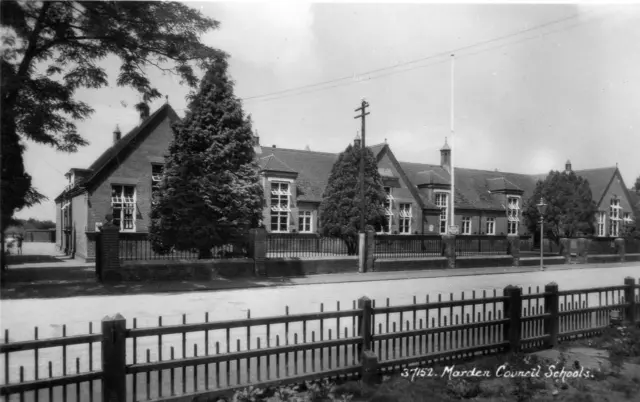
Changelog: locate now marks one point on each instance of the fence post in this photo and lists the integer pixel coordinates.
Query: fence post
(370, 250)
(513, 311)
(364, 323)
(514, 248)
(620, 249)
(259, 251)
(114, 341)
(629, 297)
(552, 322)
(565, 247)
(449, 245)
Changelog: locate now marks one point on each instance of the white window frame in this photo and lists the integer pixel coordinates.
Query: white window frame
(388, 210)
(491, 224)
(305, 218)
(466, 225)
(280, 210)
(444, 210)
(155, 178)
(615, 211)
(513, 214)
(124, 203)
(405, 218)
(601, 224)
(627, 219)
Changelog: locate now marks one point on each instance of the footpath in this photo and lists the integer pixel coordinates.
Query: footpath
(30, 281)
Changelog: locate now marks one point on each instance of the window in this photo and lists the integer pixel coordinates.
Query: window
(513, 215)
(156, 177)
(627, 221)
(388, 211)
(614, 217)
(123, 206)
(304, 221)
(600, 220)
(280, 206)
(441, 202)
(491, 226)
(466, 225)
(405, 218)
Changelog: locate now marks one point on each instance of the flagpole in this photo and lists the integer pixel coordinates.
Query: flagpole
(453, 148)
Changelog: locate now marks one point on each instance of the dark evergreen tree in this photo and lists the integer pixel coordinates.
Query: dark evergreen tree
(52, 48)
(210, 194)
(570, 207)
(636, 185)
(340, 207)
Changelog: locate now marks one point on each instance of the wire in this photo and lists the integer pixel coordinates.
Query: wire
(340, 81)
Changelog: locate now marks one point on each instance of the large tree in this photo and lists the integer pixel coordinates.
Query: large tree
(210, 194)
(570, 207)
(341, 202)
(636, 185)
(51, 49)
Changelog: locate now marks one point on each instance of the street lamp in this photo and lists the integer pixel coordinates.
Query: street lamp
(542, 208)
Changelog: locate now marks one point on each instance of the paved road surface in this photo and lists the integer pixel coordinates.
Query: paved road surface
(20, 316)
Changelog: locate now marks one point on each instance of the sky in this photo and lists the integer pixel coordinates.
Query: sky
(533, 84)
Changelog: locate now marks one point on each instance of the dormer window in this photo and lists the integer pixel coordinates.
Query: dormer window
(280, 206)
(513, 214)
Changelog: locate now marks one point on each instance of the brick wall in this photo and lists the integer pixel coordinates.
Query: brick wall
(277, 267)
(135, 169)
(79, 222)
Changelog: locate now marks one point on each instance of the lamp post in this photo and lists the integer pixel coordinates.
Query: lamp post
(542, 208)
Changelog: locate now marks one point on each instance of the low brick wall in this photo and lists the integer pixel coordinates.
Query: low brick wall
(632, 257)
(530, 261)
(603, 258)
(418, 264)
(277, 267)
(483, 262)
(185, 270)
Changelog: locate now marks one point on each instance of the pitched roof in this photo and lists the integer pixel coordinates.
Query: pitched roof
(272, 163)
(473, 187)
(118, 150)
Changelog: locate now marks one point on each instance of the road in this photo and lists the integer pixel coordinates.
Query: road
(21, 316)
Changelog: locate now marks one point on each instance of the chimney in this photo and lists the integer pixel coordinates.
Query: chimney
(567, 167)
(357, 141)
(445, 156)
(116, 135)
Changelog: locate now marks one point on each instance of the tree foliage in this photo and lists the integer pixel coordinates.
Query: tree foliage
(341, 201)
(210, 194)
(51, 49)
(636, 185)
(570, 207)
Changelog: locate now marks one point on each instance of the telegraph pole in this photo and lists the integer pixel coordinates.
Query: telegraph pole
(362, 236)
(363, 112)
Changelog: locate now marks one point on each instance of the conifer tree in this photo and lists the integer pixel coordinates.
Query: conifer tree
(340, 207)
(570, 207)
(210, 194)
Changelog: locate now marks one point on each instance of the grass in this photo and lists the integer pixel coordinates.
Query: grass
(534, 384)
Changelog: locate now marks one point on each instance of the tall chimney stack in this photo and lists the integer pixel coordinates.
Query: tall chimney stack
(116, 135)
(445, 156)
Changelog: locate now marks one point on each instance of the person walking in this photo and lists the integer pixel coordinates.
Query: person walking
(19, 240)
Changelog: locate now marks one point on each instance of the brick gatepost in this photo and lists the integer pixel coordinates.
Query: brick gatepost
(110, 252)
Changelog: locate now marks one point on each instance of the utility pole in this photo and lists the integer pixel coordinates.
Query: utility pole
(363, 112)
(362, 236)
(453, 148)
